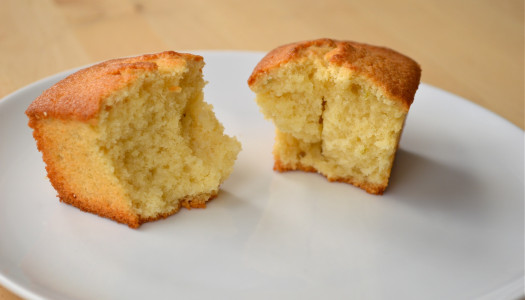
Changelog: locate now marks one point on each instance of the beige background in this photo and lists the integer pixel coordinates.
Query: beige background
(473, 48)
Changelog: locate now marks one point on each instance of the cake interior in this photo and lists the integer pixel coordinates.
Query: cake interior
(331, 120)
(163, 143)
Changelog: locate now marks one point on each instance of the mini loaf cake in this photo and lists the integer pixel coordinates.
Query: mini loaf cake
(132, 139)
(339, 108)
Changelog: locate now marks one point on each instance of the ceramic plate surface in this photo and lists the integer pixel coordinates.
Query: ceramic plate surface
(450, 225)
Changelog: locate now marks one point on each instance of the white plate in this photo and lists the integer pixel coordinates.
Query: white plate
(450, 226)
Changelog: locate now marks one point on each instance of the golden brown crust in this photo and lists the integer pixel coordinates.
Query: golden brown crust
(107, 204)
(131, 220)
(80, 95)
(396, 74)
(375, 189)
(93, 206)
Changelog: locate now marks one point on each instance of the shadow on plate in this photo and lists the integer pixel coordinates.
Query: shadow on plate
(428, 184)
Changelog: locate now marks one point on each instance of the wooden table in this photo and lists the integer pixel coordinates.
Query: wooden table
(473, 48)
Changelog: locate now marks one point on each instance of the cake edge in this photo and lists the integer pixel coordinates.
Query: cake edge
(374, 189)
(132, 220)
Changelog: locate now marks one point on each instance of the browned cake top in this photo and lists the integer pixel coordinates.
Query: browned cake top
(80, 95)
(397, 74)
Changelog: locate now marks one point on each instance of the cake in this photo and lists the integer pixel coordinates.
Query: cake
(339, 108)
(131, 139)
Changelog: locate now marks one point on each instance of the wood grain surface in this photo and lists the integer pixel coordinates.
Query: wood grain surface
(472, 48)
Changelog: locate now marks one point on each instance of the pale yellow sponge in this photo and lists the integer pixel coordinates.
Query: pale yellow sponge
(132, 139)
(339, 108)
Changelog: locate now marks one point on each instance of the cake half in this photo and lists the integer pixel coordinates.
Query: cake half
(132, 139)
(339, 108)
